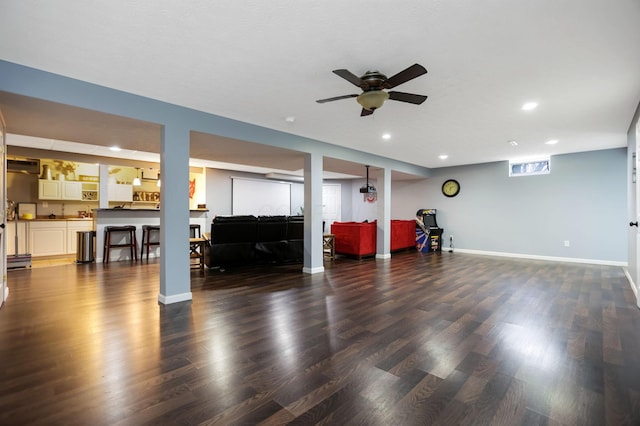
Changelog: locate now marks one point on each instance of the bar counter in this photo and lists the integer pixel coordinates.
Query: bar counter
(103, 217)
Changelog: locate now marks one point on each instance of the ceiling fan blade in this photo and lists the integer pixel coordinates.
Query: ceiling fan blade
(407, 97)
(337, 98)
(415, 70)
(365, 112)
(352, 78)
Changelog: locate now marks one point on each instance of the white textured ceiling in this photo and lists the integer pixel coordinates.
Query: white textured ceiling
(263, 61)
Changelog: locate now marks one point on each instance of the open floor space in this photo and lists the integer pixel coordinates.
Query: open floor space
(439, 338)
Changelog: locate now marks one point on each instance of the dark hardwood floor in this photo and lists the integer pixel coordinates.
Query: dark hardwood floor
(419, 339)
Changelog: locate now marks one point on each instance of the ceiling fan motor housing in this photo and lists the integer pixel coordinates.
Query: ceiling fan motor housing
(373, 80)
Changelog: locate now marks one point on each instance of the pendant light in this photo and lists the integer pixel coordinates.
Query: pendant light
(136, 180)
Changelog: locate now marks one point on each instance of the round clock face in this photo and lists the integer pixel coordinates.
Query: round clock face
(450, 188)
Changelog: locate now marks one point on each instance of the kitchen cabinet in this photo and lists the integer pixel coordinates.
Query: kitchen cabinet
(73, 226)
(67, 190)
(120, 192)
(90, 191)
(47, 238)
(71, 190)
(49, 189)
(10, 232)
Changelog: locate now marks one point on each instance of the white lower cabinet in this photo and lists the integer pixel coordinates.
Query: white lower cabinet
(47, 238)
(55, 237)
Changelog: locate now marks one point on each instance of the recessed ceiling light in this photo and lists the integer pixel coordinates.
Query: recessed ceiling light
(529, 106)
(386, 136)
(443, 156)
(551, 142)
(513, 143)
(290, 119)
(115, 148)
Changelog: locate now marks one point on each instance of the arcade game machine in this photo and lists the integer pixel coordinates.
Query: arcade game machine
(428, 234)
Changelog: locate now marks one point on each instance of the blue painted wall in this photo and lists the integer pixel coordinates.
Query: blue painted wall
(583, 200)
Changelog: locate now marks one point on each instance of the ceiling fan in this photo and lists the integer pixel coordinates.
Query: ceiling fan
(373, 84)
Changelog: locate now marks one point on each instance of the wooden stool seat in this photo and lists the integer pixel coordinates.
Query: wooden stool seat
(130, 241)
(146, 238)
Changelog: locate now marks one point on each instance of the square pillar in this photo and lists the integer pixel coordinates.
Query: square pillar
(175, 275)
(313, 258)
(383, 243)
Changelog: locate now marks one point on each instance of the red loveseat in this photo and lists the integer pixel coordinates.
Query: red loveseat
(355, 238)
(403, 234)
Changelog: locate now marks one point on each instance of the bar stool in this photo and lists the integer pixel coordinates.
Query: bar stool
(196, 246)
(132, 242)
(194, 230)
(146, 238)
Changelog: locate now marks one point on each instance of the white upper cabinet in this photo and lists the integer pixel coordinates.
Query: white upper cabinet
(49, 189)
(120, 192)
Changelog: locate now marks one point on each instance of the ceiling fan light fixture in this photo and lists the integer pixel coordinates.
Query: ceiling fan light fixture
(372, 99)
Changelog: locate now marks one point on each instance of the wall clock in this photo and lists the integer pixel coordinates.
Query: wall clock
(450, 188)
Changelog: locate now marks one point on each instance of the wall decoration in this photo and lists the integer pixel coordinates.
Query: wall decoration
(192, 187)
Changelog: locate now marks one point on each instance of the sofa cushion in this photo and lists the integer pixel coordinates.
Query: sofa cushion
(271, 236)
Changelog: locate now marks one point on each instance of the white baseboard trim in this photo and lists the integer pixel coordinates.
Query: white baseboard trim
(633, 285)
(536, 257)
(316, 270)
(383, 256)
(174, 298)
(6, 293)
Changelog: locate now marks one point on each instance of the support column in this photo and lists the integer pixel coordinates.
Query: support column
(103, 201)
(175, 276)
(383, 244)
(313, 260)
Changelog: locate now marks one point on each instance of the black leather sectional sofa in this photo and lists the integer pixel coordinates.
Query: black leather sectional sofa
(244, 240)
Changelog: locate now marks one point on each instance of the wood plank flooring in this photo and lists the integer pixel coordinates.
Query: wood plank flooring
(421, 339)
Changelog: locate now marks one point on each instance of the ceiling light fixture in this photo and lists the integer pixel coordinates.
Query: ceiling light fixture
(513, 143)
(115, 148)
(386, 136)
(373, 99)
(290, 119)
(529, 106)
(136, 180)
(551, 142)
(443, 156)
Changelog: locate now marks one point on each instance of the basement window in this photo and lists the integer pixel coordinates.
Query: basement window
(540, 166)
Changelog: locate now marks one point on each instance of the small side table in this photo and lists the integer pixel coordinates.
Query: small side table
(196, 248)
(329, 246)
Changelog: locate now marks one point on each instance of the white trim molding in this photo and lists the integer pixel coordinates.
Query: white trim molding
(383, 256)
(537, 257)
(317, 270)
(633, 285)
(174, 298)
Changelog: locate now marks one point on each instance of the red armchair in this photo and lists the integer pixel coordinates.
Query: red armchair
(355, 238)
(403, 234)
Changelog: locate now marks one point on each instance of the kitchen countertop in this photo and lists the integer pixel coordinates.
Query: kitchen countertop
(46, 219)
(141, 210)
